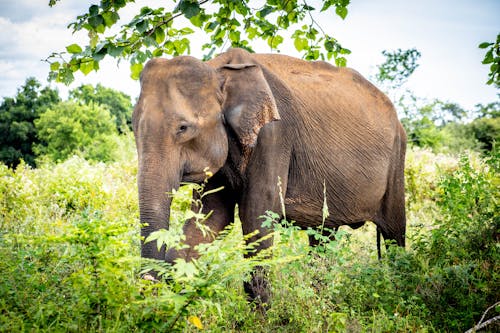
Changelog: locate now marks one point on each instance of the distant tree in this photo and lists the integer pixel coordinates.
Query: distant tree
(398, 66)
(70, 128)
(490, 110)
(118, 103)
(420, 125)
(486, 128)
(17, 114)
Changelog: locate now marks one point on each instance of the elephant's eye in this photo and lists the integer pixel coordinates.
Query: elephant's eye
(182, 129)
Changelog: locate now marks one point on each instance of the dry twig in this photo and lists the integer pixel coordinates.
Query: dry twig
(482, 324)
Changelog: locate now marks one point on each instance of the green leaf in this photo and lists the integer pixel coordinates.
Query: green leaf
(115, 51)
(186, 31)
(341, 11)
(96, 21)
(159, 35)
(199, 19)
(265, 11)
(157, 53)
(135, 71)
(209, 27)
(110, 18)
(94, 10)
(485, 45)
(188, 8)
(100, 28)
(86, 66)
(142, 26)
(55, 66)
(234, 36)
(184, 268)
(274, 41)
(74, 48)
(341, 62)
(300, 43)
(252, 32)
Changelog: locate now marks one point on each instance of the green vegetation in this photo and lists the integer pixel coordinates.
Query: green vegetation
(17, 115)
(438, 125)
(37, 124)
(68, 127)
(70, 247)
(69, 244)
(69, 230)
(167, 30)
(492, 59)
(118, 103)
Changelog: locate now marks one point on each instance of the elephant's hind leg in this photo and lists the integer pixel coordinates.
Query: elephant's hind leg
(391, 220)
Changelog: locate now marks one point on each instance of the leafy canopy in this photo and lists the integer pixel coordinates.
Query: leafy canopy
(154, 32)
(118, 103)
(398, 66)
(17, 114)
(69, 128)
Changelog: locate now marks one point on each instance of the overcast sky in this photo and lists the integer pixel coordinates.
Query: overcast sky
(446, 32)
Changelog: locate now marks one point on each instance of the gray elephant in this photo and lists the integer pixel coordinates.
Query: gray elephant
(254, 120)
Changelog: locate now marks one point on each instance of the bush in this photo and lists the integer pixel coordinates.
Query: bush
(69, 242)
(69, 128)
(17, 116)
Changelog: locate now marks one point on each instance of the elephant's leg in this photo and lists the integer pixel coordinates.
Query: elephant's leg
(267, 176)
(220, 205)
(392, 221)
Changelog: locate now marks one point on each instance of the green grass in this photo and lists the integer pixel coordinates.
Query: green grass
(69, 243)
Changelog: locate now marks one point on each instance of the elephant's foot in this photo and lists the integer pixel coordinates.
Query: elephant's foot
(150, 277)
(258, 289)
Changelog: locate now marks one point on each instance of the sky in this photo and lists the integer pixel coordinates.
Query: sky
(446, 32)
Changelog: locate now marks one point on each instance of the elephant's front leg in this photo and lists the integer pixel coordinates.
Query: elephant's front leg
(267, 176)
(220, 206)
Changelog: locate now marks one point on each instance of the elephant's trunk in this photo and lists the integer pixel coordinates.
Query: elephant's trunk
(156, 180)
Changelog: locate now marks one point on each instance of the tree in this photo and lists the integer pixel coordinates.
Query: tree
(70, 128)
(118, 103)
(155, 31)
(17, 115)
(486, 128)
(398, 66)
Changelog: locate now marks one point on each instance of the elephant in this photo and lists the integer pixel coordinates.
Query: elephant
(253, 121)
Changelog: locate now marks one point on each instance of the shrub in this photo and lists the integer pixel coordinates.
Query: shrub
(69, 128)
(17, 116)
(69, 243)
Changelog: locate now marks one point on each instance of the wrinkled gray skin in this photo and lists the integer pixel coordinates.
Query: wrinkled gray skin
(253, 119)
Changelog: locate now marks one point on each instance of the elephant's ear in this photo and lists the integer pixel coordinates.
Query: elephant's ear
(248, 101)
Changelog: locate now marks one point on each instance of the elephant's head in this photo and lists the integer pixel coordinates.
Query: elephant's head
(181, 131)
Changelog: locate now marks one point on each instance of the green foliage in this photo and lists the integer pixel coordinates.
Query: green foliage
(17, 115)
(492, 58)
(118, 103)
(462, 249)
(420, 122)
(69, 128)
(469, 197)
(69, 243)
(155, 31)
(486, 131)
(399, 65)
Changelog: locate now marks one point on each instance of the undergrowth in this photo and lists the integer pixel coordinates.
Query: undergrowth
(69, 243)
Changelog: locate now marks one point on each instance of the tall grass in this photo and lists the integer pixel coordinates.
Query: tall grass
(69, 243)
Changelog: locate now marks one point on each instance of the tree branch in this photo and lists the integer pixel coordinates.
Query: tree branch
(482, 325)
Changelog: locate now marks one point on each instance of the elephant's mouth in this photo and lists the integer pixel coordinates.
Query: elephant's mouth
(193, 177)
